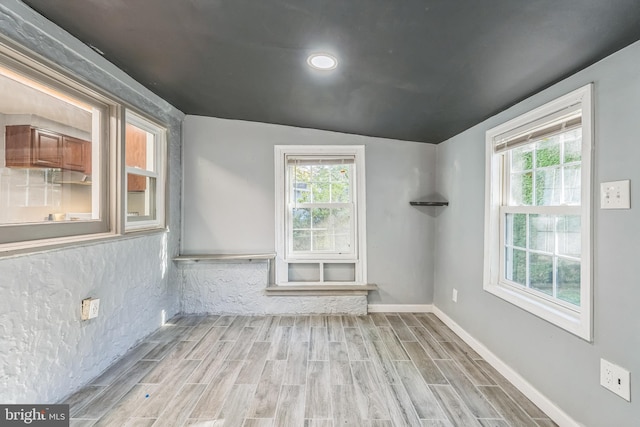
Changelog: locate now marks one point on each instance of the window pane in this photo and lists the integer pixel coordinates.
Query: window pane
(301, 240)
(548, 187)
(516, 232)
(516, 262)
(341, 173)
(542, 232)
(572, 185)
(569, 240)
(522, 159)
(139, 148)
(301, 218)
(569, 281)
(522, 189)
(301, 192)
(343, 242)
(573, 146)
(320, 217)
(321, 241)
(342, 218)
(320, 173)
(47, 139)
(141, 203)
(548, 152)
(340, 192)
(541, 273)
(321, 192)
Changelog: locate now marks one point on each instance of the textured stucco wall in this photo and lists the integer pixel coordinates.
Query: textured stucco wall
(238, 288)
(46, 351)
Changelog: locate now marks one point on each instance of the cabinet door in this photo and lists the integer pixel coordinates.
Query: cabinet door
(74, 154)
(18, 146)
(136, 156)
(46, 149)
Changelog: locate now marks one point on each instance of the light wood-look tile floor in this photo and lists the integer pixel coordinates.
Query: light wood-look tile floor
(310, 371)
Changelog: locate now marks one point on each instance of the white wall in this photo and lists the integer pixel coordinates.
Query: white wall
(560, 365)
(228, 204)
(46, 351)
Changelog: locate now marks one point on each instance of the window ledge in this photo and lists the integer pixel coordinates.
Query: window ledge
(223, 258)
(319, 290)
(571, 321)
(11, 250)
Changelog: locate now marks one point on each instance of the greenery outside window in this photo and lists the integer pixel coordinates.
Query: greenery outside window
(537, 223)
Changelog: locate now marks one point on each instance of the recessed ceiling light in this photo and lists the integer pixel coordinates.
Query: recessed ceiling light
(322, 61)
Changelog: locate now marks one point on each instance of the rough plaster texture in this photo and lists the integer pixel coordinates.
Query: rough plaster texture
(238, 288)
(46, 352)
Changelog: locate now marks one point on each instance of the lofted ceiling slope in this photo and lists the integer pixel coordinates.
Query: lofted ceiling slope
(418, 70)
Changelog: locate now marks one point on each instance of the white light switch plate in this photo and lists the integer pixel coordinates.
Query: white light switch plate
(615, 379)
(615, 195)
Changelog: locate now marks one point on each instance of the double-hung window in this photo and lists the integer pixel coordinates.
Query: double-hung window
(320, 214)
(537, 220)
(145, 158)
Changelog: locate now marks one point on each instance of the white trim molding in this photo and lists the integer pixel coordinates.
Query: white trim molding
(400, 308)
(544, 403)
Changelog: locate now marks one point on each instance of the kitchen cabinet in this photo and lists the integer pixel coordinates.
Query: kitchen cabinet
(27, 146)
(136, 156)
(76, 155)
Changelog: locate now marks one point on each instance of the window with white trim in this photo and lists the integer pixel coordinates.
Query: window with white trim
(320, 221)
(538, 212)
(145, 160)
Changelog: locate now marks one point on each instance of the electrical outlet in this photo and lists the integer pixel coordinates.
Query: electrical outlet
(454, 295)
(615, 379)
(615, 195)
(90, 308)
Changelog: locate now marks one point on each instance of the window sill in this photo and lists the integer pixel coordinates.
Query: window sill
(10, 250)
(319, 290)
(577, 323)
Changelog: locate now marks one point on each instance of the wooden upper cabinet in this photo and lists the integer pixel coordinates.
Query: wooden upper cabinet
(136, 156)
(46, 149)
(76, 155)
(27, 146)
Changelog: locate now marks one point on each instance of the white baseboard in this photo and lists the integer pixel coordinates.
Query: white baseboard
(547, 406)
(400, 308)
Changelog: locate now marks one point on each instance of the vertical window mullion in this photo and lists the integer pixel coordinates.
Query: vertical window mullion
(555, 257)
(527, 253)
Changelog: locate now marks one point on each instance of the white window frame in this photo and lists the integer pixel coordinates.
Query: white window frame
(576, 320)
(158, 172)
(358, 254)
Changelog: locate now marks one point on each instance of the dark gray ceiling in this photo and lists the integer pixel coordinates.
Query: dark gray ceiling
(419, 70)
